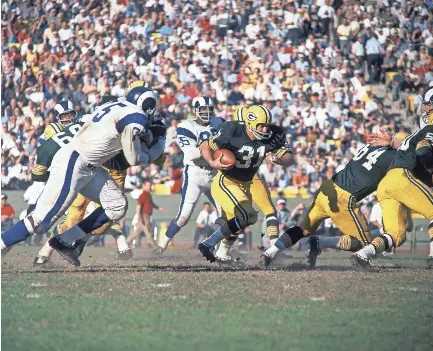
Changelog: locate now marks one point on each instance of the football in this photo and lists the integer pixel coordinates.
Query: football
(228, 158)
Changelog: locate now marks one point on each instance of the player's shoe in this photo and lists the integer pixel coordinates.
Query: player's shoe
(430, 262)
(314, 250)
(124, 255)
(40, 261)
(362, 263)
(228, 260)
(69, 253)
(159, 250)
(207, 251)
(265, 260)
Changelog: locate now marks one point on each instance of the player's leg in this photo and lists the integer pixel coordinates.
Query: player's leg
(116, 229)
(316, 214)
(262, 199)
(102, 189)
(191, 191)
(74, 215)
(236, 203)
(67, 176)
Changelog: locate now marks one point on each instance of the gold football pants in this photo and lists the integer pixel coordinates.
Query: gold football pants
(78, 208)
(397, 190)
(333, 202)
(235, 199)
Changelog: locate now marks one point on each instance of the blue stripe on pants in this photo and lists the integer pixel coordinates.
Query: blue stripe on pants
(184, 187)
(64, 192)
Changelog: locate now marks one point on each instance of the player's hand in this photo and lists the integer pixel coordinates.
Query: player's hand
(217, 164)
(382, 138)
(271, 157)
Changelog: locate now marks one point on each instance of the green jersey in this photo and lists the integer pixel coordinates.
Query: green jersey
(363, 173)
(249, 153)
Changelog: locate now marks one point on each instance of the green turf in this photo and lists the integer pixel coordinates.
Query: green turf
(176, 303)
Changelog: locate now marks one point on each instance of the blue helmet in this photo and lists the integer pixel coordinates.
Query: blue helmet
(65, 113)
(143, 97)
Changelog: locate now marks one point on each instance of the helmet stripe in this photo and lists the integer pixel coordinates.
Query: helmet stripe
(59, 109)
(267, 113)
(146, 95)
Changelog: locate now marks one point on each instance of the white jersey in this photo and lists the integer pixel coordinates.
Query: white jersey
(112, 127)
(189, 137)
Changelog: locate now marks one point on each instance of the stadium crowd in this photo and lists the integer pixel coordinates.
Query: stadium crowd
(317, 64)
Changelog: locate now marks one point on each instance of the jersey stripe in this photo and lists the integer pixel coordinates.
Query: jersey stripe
(137, 118)
(186, 132)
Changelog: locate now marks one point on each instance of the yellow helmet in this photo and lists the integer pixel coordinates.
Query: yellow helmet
(241, 114)
(259, 115)
(135, 84)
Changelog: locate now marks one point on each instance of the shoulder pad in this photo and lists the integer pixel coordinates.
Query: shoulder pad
(215, 122)
(52, 129)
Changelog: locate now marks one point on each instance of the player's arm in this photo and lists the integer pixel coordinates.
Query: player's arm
(40, 172)
(216, 142)
(282, 154)
(424, 152)
(383, 138)
(136, 152)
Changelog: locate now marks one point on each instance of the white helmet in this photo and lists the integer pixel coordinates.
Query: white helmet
(204, 108)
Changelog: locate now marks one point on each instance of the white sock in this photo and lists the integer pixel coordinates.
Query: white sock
(121, 243)
(368, 251)
(164, 242)
(46, 250)
(223, 250)
(215, 238)
(273, 251)
(431, 248)
(329, 242)
(2, 244)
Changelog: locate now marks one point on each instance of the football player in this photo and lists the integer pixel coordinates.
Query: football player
(64, 116)
(197, 174)
(336, 199)
(407, 183)
(116, 167)
(231, 188)
(114, 127)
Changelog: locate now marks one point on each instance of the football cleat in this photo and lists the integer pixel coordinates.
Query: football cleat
(314, 250)
(227, 260)
(40, 261)
(207, 252)
(363, 264)
(159, 250)
(125, 255)
(265, 260)
(430, 262)
(69, 253)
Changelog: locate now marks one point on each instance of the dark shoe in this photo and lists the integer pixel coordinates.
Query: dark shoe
(265, 260)
(207, 252)
(68, 252)
(361, 263)
(125, 255)
(314, 250)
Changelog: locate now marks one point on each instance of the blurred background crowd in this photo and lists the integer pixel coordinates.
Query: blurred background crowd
(330, 71)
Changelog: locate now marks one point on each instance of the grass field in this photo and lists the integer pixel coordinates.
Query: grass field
(179, 302)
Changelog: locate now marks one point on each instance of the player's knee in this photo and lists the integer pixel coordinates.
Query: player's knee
(116, 210)
(182, 221)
